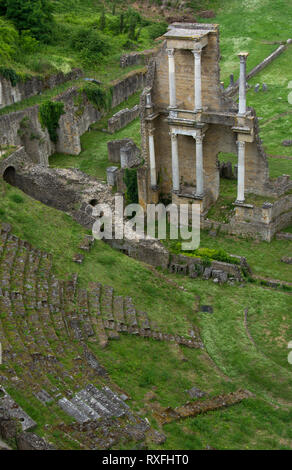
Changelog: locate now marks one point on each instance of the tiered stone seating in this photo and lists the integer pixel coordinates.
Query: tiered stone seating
(46, 327)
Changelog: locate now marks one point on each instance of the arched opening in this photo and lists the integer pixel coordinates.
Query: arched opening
(9, 175)
(93, 202)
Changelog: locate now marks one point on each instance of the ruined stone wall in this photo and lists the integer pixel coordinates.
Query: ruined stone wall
(25, 89)
(136, 58)
(123, 118)
(123, 89)
(23, 128)
(260, 222)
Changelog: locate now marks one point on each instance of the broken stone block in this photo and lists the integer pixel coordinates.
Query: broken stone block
(286, 259)
(196, 393)
(111, 175)
(221, 276)
(287, 143)
(30, 441)
(257, 88)
(130, 156)
(207, 273)
(114, 149)
(78, 258)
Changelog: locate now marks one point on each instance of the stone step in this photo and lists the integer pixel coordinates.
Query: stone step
(143, 321)
(107, 402)
(115, 398)
(131, 318)
(73, 411)
(88, 398)
(85, 408)
(107, 307)
(119, 315)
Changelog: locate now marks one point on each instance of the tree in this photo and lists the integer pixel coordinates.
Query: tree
(102, 20)
(31, 15)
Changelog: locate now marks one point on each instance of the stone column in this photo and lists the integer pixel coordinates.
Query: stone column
(242, 83)
(171, 72)
(199, 165)
(198, 79)
(240, 171)
(153, 177)
(175, 162)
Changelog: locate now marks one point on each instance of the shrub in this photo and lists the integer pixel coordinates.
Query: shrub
(16, 198)
(31, 15)
(50, 113)
(8, 40)
(91, 44)
(10, 74)
(156, 29)
(98, 96)
(130, 180)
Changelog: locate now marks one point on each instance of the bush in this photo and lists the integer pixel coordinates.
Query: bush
(10, 74)
(50, 113)
(130, 180)
(98, 96)
(91, 44)
(31, 15)
(16, 198)
(156, 30)
(8, 40)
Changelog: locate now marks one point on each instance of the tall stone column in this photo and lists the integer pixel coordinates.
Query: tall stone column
(153, 176)
(198, 79)
(240, 171)
(199, 165)
(171, 79)
(175, 162)
(242, 83)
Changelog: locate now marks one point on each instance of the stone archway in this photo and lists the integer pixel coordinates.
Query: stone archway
(9, 175)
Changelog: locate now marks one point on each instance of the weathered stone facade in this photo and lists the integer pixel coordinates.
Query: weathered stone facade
(187, 120)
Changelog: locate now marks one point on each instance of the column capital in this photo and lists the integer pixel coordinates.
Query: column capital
(197, 53)
(170, 52)
(241, 144)
(199, 138)
(243, 56)
(151, 131)
(173, 135)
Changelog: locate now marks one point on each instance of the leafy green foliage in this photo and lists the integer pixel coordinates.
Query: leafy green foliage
(91, 44)
(10, 74)
(31, 15)
(8, 40)
(99, 96)
(50, 113)
(130, 179)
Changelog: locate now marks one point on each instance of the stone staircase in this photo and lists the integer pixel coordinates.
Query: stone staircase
(46, 328)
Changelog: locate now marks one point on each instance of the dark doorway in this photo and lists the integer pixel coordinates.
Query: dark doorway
(9, 175)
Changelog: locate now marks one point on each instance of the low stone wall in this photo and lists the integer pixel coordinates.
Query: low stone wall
(114, 149)
(123, 89)
(122, 118)
(25, 89)
(256, 222)
(137, 58)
